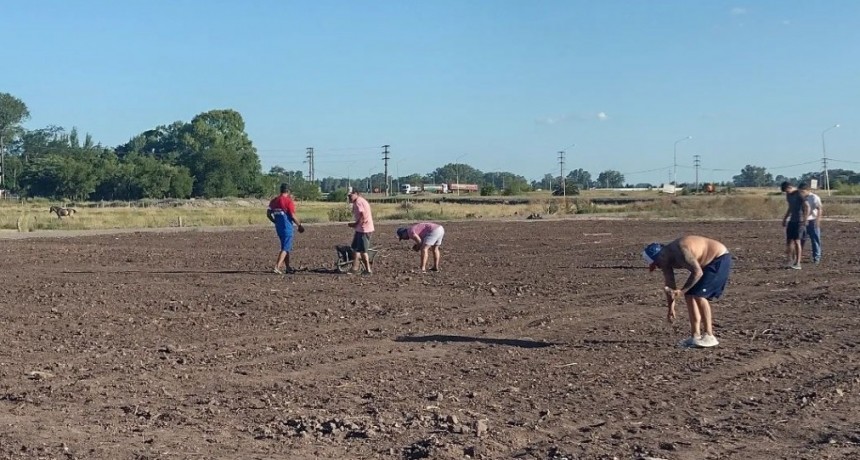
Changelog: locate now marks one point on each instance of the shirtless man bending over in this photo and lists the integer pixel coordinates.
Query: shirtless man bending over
(709, 264)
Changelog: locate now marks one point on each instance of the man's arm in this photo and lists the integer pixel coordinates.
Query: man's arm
(787, 213)
(295, 216)
(820, 212)
(359, 218)
(417, 239)
(270, 216)
(691, 263)
(805, 215)
(669, 289)
(291, 208)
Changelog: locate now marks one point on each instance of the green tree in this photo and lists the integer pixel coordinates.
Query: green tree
(220, 156)
(162, 142)
(62, 166)
(610, 179)
(508, 182)
(151, 178)
(570, 189)
(548, 182)
(13, 112)
(753, 176)
(62, 176)
(51, 139)
(306, 190)
(780, 179)
(580, 177)
(14, 169)
(453, 172)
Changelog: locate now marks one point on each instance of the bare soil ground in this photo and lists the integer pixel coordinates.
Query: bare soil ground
(539, 340)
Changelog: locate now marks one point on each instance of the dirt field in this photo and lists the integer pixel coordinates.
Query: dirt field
(539, 340)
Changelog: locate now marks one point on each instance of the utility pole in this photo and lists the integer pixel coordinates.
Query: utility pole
(385, 158)
(824, 158)
(561, 172)
(2, 163)
(310, 154)
(697, 163)
(675, 161)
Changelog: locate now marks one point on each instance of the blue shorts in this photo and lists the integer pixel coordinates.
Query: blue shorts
(715, 275)
(284, 227)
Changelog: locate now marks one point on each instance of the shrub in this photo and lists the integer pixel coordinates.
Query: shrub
(571, 189)
(338, 195)
(339, 214)
(417, 214)
(488, 190)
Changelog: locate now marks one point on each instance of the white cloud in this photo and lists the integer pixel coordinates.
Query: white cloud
(738, 11)
(551, 120)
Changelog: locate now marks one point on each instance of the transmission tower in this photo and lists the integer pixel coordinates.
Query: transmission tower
(310, 155)
(385, 158)
(561, 172)
(697, 162)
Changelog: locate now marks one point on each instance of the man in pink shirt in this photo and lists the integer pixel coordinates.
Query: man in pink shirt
(425, 235)
(363, 226)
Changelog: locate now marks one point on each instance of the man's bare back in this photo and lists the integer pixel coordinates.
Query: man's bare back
(683, 251)
(709, 264)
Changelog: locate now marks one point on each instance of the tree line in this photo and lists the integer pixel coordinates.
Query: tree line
(757, 176)
(212, 156)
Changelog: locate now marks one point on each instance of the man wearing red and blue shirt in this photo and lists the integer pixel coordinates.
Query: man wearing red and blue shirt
(282, 213)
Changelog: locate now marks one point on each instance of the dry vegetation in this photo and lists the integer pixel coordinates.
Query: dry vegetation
(746, 204)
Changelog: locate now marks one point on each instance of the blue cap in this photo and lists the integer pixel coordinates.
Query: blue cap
(651, 252)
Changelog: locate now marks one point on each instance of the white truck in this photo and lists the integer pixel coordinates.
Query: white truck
(425, 188)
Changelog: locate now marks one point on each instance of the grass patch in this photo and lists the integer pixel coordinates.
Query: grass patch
(724, 207)
(33, 215)
(848, 190)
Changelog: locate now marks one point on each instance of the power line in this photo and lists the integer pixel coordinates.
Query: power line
(633, 173)
(844, 161)
(301, 149)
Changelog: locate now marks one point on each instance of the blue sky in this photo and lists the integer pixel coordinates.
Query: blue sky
(498, 84)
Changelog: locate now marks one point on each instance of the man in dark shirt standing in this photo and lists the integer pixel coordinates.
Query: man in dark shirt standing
(794, 222)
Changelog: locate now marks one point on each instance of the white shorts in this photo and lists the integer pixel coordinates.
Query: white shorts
(434, 238)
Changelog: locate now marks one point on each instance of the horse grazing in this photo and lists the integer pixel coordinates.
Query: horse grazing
(62, 212)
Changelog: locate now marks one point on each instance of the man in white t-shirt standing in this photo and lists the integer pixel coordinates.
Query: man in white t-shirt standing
(813, 226)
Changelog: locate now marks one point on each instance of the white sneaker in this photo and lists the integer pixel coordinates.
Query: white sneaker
(796, 267)
(689, 342)
(706, 341)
